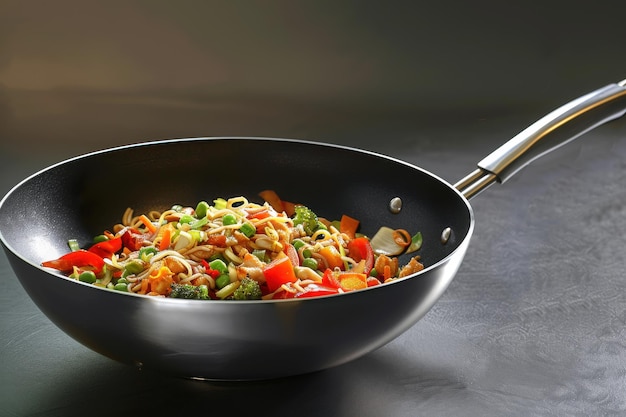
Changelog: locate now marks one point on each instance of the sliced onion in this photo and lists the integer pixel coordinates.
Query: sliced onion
(384, 242)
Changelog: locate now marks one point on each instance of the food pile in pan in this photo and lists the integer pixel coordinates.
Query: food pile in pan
(235, 249)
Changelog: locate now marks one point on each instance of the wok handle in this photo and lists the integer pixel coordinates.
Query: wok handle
(548, 133)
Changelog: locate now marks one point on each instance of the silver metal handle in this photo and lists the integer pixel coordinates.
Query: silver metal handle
(557, 128)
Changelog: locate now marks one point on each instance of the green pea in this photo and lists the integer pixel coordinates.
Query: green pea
(201, 209)
(87, 276)
(229, 219)
(222, 281)
(298, 243)
(310, 263)
(120, 286)
(306, 253)
(373, 273)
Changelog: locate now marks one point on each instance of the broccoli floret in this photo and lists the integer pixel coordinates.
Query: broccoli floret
(191, 292)
(304, 216)
(248, 289)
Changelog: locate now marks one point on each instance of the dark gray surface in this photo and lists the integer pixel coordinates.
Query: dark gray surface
(534, 322)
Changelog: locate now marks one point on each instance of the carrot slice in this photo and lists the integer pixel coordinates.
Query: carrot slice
(348, 225)
(273, 199)
(165, 239)
(146, 221)
(289, 207)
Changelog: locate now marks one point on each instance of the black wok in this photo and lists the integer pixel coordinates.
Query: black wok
(226, 340)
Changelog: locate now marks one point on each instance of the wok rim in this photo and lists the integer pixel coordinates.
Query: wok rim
(462, 244)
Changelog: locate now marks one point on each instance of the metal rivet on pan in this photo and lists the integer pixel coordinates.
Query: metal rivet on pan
(445, 235)
(395, 205)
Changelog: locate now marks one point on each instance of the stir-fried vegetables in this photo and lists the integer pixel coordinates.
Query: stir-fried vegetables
(234, 249)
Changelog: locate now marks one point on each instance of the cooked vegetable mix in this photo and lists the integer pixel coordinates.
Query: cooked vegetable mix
(235, 249)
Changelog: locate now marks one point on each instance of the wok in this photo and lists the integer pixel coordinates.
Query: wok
(248, 340)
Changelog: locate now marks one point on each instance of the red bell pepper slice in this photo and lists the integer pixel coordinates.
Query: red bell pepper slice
(80, 259)
(316, 290)
(283, 295)
(372, 281)
(107, 248)
(329, 279)
(360, 249)
(278, 272)
(213, 273)
(132, 239)
(259, 215)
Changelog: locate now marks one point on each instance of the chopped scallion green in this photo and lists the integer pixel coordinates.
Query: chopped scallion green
(416, 243)
(100, 238)
(134, 267)
(197, 224)
(73, 244)
(247, 229)
(147, 252)
(260, 254)
(219, 265)
(220, 203)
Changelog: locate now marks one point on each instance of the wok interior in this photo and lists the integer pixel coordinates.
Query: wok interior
(84, 196)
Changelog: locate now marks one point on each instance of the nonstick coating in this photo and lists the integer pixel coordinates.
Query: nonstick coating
(81, 197)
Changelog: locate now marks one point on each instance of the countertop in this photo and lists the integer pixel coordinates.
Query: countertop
(533, 323)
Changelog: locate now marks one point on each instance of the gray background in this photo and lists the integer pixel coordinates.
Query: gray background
(533, 323)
